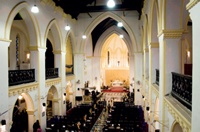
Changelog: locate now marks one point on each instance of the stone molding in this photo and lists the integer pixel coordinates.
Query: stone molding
(51, 82)
(154, 45)
(184, 123)
(155, 90)
(24, 88)
(191, 4)
(171, 34)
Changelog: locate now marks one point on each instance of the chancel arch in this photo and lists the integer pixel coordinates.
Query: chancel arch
(118, 67)
(133, 45)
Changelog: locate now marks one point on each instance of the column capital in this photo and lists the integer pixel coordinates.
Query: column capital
(154, 45)
(36, 48)
(5, 41)
(170, 34)
(58, 52)
(191, 4)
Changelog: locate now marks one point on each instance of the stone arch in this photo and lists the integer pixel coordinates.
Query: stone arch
(154, 25)
(52, 101)
(172, 14)
(145, 33)
(56, 35)
(134, 46)
(70, 35)
(29, 109)
(32, 26)
(176, 127)
(106, 35)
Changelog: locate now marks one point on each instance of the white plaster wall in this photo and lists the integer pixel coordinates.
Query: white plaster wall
(23, 43)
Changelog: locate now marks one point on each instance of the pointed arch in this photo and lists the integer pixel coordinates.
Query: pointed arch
(56, 33)
(23, 9)
(106, 35)
(154, 24)
(133, 45)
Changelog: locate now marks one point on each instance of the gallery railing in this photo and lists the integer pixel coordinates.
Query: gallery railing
(69, 69)
(157, 76)
(51, 73)
(16, 77)
(182, 89)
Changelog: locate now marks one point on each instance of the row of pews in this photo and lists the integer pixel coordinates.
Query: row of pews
(125, 117)
(80, 118)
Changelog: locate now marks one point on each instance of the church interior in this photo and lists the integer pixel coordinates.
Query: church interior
(99, 65)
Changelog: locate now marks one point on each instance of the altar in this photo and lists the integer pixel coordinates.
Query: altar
(117, 83)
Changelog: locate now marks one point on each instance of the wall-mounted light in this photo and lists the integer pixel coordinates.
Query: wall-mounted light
(3, 122)
(147, 108)
(3, 125)
(43, 104)
(188, 54)
(78, 82)
(28, 56)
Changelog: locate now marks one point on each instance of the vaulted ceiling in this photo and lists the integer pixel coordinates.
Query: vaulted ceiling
(75, 7)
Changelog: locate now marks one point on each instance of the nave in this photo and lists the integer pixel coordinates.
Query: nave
(103, 115)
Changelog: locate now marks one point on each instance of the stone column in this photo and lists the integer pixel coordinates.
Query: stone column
(194, 9)
(4, 108)
(79, 72)
(169, 61)
(31, 120)
(153, 64)
(138, 77)
(131, 71)
(41, 90)
(60, 64)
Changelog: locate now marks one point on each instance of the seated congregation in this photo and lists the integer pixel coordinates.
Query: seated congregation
(119, 116)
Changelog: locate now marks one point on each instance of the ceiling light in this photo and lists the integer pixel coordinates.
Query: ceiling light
(84, 37)
(34, 9)
(67, 27)
(111, 3)
(119, 24)
(121, 36)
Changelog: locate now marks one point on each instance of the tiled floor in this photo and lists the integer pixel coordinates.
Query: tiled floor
(101, 121)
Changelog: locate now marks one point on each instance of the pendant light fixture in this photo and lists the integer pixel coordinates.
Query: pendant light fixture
(67, 28)
(35, 9)
(111, 3)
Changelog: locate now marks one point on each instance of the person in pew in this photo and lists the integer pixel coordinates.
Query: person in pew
(78, 127)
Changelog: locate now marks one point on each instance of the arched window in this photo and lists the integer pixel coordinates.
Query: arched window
(108, 57)
(17, 51)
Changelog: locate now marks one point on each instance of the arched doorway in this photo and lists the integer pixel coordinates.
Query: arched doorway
(52, 102)
(177, 128)
(22, 114)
